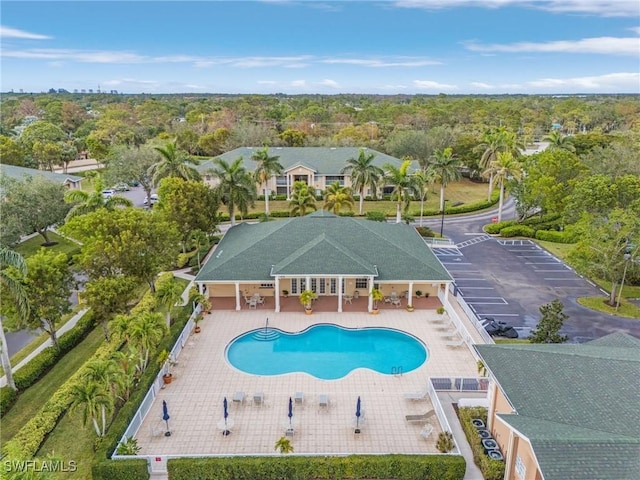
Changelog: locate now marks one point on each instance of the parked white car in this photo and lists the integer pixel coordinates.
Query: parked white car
(154, 199)
(106, 194)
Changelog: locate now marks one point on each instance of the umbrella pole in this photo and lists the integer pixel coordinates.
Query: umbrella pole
(168, 432)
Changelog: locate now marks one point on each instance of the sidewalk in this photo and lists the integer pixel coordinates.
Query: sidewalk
(66, 327)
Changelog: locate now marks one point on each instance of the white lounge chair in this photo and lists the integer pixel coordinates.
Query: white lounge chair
(298, 398)
(455, 343)
(323, 401)
(416, 395)
(258, 399)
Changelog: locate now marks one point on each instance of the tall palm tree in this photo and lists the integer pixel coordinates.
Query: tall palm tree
(495, 141)
(404, 186)
(17, 294)
(104, 372)
(558, 141)
(146, 331)
(447, 169)
(169, 293)
(502, 169)
(173, 163)
(268, 166)
(95, 402)
(424, 179)
(87, 202)
(236, 188)
(337, 197)
(302, 200)
(363, 174)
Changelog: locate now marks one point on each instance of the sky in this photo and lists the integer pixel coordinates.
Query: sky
(322, 47)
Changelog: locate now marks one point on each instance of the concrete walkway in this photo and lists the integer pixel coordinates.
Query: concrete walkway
(64, 328)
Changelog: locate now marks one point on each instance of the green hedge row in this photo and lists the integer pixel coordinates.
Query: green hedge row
(491, 469)
(557, 237)
(401, 467)
(106, 469)
(517, 231)
(44, 361)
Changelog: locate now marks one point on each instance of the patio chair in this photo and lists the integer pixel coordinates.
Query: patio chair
(258, 399)
(426, 431)
(260, 300)
(421, 417)
(298, 398)
(416, 395)
(253, 303)
(238, 398)
(247, 300)
(323, 401)
(455, 343)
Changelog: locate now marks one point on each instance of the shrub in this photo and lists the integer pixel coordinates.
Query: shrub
(36, 368)
(494, 228)
(425, 231)
(129, 469)
(557, 237)
(376, 216)
(445, 442)
(491, 469)
(517, 231)
(8, 397)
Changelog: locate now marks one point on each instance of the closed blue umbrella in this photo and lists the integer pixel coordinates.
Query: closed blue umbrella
(290, 410)
(358, 413)
(166, 417)
(225, 406)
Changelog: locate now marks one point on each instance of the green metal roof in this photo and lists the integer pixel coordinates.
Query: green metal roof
(573, 402)
(321, 160)
(323, 244)
(19, 173)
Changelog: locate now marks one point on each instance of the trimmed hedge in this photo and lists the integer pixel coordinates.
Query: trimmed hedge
(8, 397)
(130, 469)
(557, 237)
(494, 228)
(491, 469)
(517, 231)
(401, 467)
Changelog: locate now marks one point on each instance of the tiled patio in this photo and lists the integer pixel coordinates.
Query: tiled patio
(203, 378)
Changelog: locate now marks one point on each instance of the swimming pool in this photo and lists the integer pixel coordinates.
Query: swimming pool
(326, 351)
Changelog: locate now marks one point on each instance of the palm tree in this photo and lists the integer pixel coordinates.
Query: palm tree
(236, 187)
(447, 169)
(18, 296)
(86, 202)
(404, 186)
(95, 401)
(337, 197)
(173, 163)
(495, 141)
(146, 330)
(169, 293)
(126, 365)
(363, 174)
(104, 372)
(301, 200)
(267, 167)
(558, 141)
(424, 179)
(283, 445)
(502, 169)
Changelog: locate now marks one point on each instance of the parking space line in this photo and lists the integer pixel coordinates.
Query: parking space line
(471, 279)
(563, 279)
(476, 288)
(556, 270)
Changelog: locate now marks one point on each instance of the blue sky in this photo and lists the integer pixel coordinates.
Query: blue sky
(314, 46)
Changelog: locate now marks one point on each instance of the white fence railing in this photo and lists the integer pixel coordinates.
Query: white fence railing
(474, 319)
(442, 417)
(459, 384)
(145, 406)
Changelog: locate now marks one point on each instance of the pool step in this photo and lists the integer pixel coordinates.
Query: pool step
(266, 335)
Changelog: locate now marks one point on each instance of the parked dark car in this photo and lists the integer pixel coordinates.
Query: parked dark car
(498, 328)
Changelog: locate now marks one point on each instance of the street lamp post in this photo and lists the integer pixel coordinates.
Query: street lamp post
(626, 257)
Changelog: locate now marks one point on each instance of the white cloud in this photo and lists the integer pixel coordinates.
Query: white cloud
(329, 83)
(267, 82)
(268, 62)
(623, 81)
(605, 8)
(431, 85)
(601, 45)
(394, 87)
(299, 83)
(481, 85)
(379, 63)
(8, 32)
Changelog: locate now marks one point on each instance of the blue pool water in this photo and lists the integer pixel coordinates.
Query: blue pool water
(325, 351)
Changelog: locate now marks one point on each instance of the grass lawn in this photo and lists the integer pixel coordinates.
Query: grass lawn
(627, 309)
(31, 246)
(511, 340)
(464, 191)
(32, 399)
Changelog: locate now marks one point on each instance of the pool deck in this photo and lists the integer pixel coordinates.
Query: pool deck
(203, 377)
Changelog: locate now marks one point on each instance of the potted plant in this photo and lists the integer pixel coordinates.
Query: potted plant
(306, 298)
(441, 311)
(445, 442)
(418, 293)
(164, 359)
(197, 321)
(206, 304)
(376, 296)
(285, 293)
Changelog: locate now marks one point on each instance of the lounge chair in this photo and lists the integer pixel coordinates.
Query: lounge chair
(298, 398)
(238, 398)
(416, 395)
(455, 343)
(426, 431)
(258, 399)
(323, 401)
(420, 418)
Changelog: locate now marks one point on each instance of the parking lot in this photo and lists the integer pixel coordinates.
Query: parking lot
(510, 279)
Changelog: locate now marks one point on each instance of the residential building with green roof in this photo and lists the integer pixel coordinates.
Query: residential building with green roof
(20, 173)
(331, 255)
(566, 411)
(316, 166)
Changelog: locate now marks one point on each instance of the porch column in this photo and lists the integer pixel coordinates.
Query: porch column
(340, 292)
(410, 295)
(307, 283)
(509, 460)
(446, 291)
(237, 295)
(370, 307)
(276, 293)
(288, 188)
